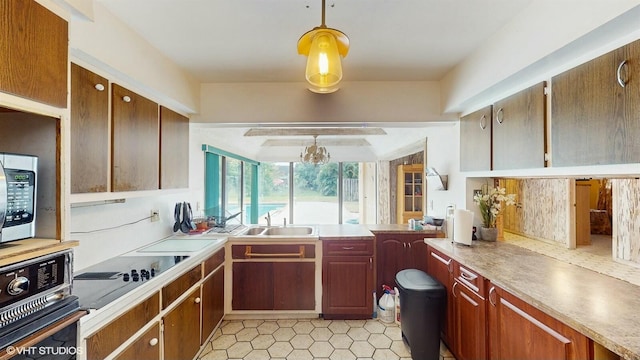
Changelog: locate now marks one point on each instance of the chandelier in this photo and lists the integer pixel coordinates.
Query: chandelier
(324, 46)
(315, 154)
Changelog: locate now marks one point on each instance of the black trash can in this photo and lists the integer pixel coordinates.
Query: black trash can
(423, 307)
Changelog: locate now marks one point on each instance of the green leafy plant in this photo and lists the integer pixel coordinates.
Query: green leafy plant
(490, 203)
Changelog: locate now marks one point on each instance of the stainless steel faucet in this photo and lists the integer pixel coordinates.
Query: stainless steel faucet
(268, 218)
(285, 222)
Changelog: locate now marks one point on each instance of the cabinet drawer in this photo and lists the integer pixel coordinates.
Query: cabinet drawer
(213, 262)
(274, 251)
(469, 278)
(103, 342)
(178, 286)
(342, 248)
(146, 347)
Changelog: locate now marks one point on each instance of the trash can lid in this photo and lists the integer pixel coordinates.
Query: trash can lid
(414, 280)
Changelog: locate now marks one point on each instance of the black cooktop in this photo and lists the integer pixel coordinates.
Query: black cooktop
(100, 284)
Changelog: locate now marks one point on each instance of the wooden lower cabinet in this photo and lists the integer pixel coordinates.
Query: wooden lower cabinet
(395, 252)
(212, 296)
(273, 285)
(470, 317)
(347, 296)
(107, 339)
(440, 267)
(181, 337)
(146, 347)
(518, 330)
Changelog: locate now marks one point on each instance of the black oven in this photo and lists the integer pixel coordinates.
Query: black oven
(38, 314)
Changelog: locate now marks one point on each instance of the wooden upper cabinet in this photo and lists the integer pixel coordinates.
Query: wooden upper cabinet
(136, 141)
(519, 130)
(594, 118)
(89, 131)
(33, 62)
(475, 140)
(174, 150)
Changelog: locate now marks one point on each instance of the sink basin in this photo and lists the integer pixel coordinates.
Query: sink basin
(289, 231)
(255, 231)
(279, 232)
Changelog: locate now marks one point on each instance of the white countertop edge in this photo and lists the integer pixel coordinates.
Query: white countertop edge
(97, 318)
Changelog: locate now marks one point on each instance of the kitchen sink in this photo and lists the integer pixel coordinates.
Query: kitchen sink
(270, 232)
(287, 231)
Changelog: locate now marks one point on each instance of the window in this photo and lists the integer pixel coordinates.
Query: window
(333, 193)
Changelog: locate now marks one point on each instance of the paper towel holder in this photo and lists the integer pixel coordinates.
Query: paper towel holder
(440, 181)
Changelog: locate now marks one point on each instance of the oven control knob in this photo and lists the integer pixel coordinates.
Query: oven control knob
(18, 285)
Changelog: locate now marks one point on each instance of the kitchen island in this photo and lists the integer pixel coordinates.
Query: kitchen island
(602, 308)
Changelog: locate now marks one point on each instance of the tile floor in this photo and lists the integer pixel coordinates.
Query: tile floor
(309, 339)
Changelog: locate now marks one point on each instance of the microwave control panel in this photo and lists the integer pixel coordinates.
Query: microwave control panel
(20, 197)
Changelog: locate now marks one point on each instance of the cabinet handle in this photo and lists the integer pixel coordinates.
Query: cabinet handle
(492, 291)
(347, 248)
(248, 254)
(370, 263)
(453, 289)
(126, 99)
(197, 300)
(404, 245)
(618, 73)
(99, 87)
(500, 115)
(153, 342)
(439, 258)
(465, 274)
(483, 122)
(409, 244)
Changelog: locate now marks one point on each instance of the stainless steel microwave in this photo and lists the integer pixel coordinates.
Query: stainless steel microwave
(18, 183)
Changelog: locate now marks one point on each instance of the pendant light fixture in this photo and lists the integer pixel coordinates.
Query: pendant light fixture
(324, 46)
(315, 154)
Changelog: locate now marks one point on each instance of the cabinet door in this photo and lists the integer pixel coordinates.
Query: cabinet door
(89, 131)
(347, 296)
(475, 140)
(294, 285)
(440, 267)
(470, 324)
(417, 254)
(519, 130)
(395, 252)
(147, 346)
(182, 328)
(174, 152)
(409, 193)
(104, 341)
(136, 142)
(595, 120)
(513, 324)
(212, 303)
(35, 52)
(252, 286)
(390, 258)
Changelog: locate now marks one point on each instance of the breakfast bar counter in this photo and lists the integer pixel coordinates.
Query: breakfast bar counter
(601, 307)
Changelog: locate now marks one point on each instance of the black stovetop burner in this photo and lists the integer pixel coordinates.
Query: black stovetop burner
(100, 284)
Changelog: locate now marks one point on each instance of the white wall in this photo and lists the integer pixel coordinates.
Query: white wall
(356, 102)
(108, 44)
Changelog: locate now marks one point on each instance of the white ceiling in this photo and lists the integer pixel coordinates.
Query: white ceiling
(256, 41)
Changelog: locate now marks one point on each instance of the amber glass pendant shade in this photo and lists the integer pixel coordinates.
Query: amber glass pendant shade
(324, 68)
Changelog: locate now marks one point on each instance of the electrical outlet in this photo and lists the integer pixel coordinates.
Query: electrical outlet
(155, 215)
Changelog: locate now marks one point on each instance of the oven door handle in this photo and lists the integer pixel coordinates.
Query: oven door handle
(3, 197)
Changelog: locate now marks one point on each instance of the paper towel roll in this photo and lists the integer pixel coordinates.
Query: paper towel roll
(462, 226)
